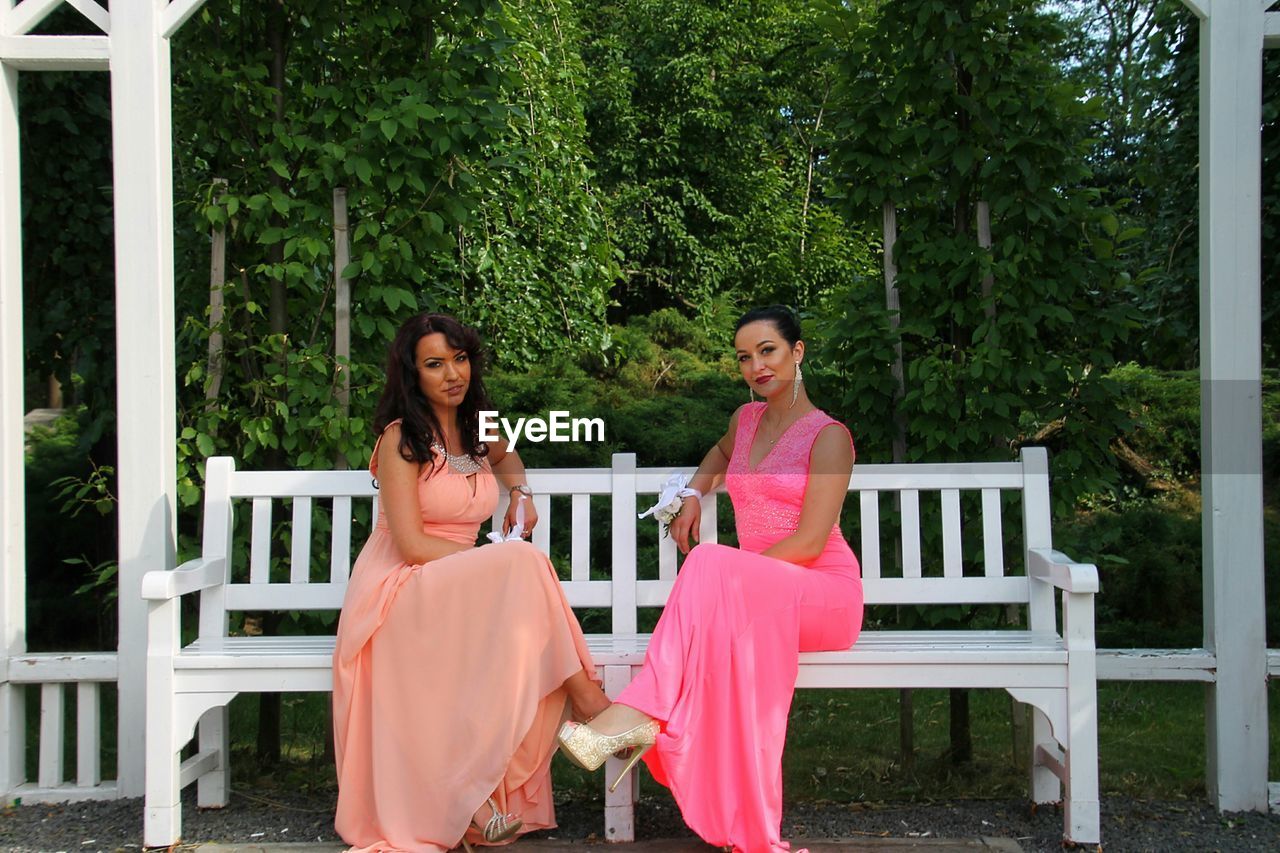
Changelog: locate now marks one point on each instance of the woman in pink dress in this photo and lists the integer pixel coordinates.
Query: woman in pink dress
(715, 690)
(454, 665)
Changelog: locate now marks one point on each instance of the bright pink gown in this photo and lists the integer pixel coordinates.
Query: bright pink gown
(721, 666)
(447, 678)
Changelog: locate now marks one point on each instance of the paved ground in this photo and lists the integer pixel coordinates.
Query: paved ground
(881, 845)
(286, 821)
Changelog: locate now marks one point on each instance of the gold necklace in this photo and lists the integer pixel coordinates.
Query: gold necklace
(778, 434)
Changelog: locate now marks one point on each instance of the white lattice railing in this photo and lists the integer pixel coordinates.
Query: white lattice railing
(55, 673)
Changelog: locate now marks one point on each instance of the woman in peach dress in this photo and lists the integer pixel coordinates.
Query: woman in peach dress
(715, 690)
(454, 664)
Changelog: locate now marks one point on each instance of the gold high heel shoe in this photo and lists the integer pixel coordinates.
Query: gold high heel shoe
(588, 749)
(499, 827)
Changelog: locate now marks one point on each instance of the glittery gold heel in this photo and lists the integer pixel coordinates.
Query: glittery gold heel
(588, 749)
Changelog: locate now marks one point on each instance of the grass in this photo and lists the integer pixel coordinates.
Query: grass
(842, 746)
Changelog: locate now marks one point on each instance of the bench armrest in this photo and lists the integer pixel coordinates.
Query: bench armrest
(191, 576)
(1056, 568)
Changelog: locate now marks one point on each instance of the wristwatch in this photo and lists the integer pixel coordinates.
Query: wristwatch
(523, 489)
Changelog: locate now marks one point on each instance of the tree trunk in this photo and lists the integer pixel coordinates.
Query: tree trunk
(893, 304)
(342, 298)
(217, 280)
(277, 22)
(268, 746)
(906, 705)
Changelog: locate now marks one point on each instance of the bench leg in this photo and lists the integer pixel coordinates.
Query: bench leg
(1045, 787)
(213, 790)
(162, 817)
(162, 823)
(1082, 820)
(619, 806)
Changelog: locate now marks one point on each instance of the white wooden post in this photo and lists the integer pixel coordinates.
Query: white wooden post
(145, 367)
(13, 584)
(1231, 409)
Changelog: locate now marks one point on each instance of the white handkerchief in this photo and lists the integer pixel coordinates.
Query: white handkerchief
(517, 531)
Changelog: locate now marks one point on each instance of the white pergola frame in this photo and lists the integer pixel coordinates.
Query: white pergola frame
(134, 49)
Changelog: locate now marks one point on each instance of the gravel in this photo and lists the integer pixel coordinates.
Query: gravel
(1127, 824)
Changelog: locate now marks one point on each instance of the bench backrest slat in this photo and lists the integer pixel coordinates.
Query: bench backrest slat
(992, 535)
(869, 515)
(708, 527)
(542, 531)
(580, 546)
(1007, 590)
(623, 541)
(667, 557)
(300, 541)
(260, 544)
(340, 542)
(951, 557)
(910, 499)
(971, 498)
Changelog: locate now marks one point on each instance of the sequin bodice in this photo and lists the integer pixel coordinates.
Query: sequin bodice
(767, 499)
(453, 505)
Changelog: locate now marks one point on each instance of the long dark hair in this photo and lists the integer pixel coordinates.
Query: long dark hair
(403, 399)
(782, 318)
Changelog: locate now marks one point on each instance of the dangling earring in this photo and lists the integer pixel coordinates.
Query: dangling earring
(795, 385)
(752, 392)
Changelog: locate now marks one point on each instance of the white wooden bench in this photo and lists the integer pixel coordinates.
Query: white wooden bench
(189, 686)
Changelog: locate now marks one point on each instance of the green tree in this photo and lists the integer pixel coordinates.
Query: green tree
(941, 109)
(706, 120)
(454, 129)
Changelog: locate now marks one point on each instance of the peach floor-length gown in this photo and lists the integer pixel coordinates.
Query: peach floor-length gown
(448, 678)
(721, 667)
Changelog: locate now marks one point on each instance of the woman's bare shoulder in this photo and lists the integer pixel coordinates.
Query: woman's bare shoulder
(833, 447)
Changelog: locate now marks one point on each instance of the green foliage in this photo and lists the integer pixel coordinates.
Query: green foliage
(458, 200)
(67, 231)
(707, 121)
(1140, 62)
(939, 109)
(664, 370)
(71, 540)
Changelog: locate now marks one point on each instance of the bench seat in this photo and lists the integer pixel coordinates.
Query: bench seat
(874, 648)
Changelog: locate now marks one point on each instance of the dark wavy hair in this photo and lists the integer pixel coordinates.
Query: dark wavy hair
(782, 317)
(402, 398)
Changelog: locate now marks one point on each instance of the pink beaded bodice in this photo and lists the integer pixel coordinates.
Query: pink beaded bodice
(767, 499)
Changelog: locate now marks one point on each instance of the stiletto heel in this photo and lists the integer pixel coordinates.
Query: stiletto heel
(588, 749)
(636, 755)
